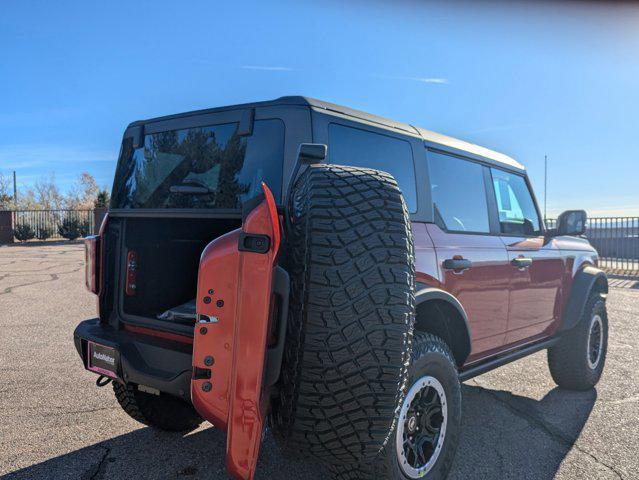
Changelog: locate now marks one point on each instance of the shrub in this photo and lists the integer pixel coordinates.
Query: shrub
(85, 229)
(70, 228)
(24, 232)
(43, 233)
(102, 199)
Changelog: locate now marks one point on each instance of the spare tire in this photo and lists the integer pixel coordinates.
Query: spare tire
(350, 256)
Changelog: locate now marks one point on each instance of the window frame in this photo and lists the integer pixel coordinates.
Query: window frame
(542, 222)
(321, 119)
(493, 211)
(297, 129)
(382, 134)
(271, 182)
(491, 204)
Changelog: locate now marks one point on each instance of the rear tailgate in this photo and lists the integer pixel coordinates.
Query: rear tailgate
(235, 301)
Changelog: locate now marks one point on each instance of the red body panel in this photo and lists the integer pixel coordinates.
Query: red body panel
(535, 292)
(482, 289)
(426, 268)
(157, 333)
(506, 306)
(235, 290)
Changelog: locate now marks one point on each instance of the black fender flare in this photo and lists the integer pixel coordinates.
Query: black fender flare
(582, 285)
(461, 335)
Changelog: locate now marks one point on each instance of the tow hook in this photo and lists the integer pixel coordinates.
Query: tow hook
(103, 380)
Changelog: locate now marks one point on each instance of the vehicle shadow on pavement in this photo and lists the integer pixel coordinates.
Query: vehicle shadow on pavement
(150, 454)
(511, 436)
(503, 436)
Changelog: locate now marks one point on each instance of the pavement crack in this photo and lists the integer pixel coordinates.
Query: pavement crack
(60, 412)
(52, 278)
(98, 470)
(552, 431)
(88, 410)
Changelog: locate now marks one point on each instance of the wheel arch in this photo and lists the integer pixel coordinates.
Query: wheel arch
(440, 313)
(587, 280)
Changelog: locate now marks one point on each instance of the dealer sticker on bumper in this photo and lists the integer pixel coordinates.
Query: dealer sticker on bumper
(103, 360)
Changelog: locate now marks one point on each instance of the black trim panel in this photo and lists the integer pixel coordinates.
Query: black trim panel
(275, 353)
(582, 285)
(155, 362)
(431, 293)
(511, 356)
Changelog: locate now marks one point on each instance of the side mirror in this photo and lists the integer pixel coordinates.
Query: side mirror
(572, 222)
(309, 153)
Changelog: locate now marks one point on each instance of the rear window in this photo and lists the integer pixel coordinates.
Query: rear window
(362, 148)
(203, 167)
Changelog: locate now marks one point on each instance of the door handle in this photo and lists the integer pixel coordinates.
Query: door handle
(457, 264)
(521, 262)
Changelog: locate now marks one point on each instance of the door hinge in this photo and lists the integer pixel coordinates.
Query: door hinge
(201, 373)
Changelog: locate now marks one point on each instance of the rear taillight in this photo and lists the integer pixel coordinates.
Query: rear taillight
(93, 258)
(92, 263)
(131, 273)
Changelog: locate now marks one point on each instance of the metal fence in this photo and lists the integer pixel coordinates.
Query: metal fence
(617, 241)
(615, 238)
(52, 223)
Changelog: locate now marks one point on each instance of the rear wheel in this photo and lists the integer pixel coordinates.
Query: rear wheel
(160, 411)
(350, 256)
(577, 361)
(425, 438)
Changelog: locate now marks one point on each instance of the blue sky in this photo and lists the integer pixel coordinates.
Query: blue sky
(526, 79)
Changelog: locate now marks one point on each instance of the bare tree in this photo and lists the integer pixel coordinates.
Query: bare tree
(84, 192)
(27, 200)
(6, 200)
(47, 193)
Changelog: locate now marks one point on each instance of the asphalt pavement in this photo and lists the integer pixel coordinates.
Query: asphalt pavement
(56, 424)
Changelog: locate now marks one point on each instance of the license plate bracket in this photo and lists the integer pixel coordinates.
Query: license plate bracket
(103, 359)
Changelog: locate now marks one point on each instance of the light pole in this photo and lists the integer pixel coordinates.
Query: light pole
(15, 191)
(545, 184)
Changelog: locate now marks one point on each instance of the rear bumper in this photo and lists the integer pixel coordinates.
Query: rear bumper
(155, 362)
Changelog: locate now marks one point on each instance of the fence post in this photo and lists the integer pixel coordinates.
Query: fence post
(6, 227)
(98, 216)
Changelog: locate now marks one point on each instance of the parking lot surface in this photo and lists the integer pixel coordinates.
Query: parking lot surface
(55, 423)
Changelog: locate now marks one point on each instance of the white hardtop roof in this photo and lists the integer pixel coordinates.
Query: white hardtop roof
(451, 142)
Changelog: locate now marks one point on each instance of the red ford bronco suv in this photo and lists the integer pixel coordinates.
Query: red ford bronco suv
(333, 275)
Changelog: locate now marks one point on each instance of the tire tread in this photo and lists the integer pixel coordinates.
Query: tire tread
(351, 317)
(163, 412)
(567, 361)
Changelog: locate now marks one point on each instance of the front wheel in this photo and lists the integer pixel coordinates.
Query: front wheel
(427, 429)
(577, 361)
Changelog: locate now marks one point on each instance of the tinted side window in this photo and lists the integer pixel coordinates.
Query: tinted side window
(459, 194)
(361, 148)
(517, 212)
